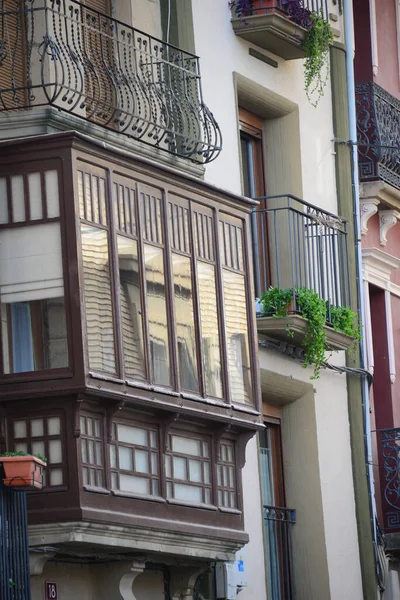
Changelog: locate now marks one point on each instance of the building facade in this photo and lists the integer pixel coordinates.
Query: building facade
(377, 97)
(143, 210)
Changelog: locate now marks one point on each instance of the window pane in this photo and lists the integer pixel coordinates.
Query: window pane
(157, 315)
(179, 468)
(132, 435)
(188, 492)
(21, 447)
(141, 461)
(32, 303)
(185, 445)
(113, 457)
(130, 483)
(237, 337)
(98, 305)
(54, 426)
(125, 458)
(131, 308)
(185, 331)
(56, 477)
(195, 471)
(37, 428)
(210, 346)
(38, 448)
(19, 429)
(55, 454)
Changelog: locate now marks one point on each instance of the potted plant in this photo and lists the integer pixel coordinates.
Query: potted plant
(279, 303)
(23, 470)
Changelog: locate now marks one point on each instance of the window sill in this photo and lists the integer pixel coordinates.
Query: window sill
(247, 409)
(96, 490)
(109, 378)
(122, 494)
(191, 504)
(151, 388)
(232, 511)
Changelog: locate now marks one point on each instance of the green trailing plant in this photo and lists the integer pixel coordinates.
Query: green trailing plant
(21, 453)
(316, 44)
(279, 303)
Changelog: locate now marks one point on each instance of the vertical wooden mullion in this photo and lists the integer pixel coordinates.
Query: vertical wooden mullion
(221, 310)
(251, 316)
(9, 200)
(196, 305)
(114, 279)
(143, 282)
(44, 194)
(170, 297)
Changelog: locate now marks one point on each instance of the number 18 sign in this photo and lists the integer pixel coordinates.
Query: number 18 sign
(51, 590)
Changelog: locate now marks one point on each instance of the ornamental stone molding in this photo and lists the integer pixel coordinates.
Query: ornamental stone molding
(369, 208)
(127, 580)
(387, 220)
(37, 560)
(183, 580)
(378, 266)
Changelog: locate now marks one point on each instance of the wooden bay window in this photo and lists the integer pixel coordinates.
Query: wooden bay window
(165, 288)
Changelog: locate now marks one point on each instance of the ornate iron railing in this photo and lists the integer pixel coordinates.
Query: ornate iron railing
(63, 54)
(378, 134)
(258, 7)
(296, 244)
(14, 551)
(278, 524)
(389, 462)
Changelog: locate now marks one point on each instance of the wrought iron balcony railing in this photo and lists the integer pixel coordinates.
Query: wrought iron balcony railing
(378, 134)
(296, 244)
(63, 54)
(278, 523)
(286, 7)
(389, 464)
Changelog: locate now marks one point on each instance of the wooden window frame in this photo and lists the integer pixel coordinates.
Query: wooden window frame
(202, 459)
(45, 438)
(116, 229)
(152, 450)
(25, 170)
(85, 439)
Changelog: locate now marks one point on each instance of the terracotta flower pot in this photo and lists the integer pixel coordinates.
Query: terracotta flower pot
(23, 471)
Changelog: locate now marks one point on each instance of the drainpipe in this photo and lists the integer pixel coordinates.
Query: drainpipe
(350, 51)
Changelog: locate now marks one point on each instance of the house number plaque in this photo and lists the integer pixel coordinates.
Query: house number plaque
(51, 590)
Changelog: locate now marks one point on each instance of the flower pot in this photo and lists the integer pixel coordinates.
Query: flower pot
(23, 471)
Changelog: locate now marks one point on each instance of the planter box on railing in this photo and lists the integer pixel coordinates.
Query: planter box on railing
(23, 471)
(278, 327)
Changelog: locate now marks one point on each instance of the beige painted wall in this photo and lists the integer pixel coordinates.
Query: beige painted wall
(96, 582)
(318, 476)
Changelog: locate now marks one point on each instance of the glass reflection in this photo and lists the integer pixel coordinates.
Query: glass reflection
(237, 337)
(210, 344)
(157, 315)
(131, 308)
(185, 331)
(98, 305)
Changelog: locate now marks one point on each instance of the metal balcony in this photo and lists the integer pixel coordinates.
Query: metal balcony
(63, 54)
(278, 26)
(296, 244)
(378, 134)
(278, 523)
(389, 467)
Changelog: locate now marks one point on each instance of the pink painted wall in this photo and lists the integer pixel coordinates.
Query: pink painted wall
(388, 71)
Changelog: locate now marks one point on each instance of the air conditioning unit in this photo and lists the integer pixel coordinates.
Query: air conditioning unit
(231, 577)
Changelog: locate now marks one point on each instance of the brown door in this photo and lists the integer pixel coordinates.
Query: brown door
(254, 186)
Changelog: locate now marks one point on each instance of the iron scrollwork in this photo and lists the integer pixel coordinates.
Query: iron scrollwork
(67, 55)
(378, 134)
(390, 445)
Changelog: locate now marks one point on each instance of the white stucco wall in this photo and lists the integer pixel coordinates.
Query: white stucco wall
(223, 56)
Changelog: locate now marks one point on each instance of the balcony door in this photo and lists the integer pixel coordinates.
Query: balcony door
(278, 519)
(254, 186)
